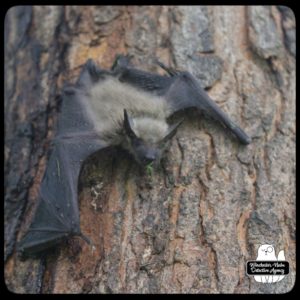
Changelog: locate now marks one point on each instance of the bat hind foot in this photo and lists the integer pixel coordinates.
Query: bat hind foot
(94, 71)
(121, 62)
(91, 73)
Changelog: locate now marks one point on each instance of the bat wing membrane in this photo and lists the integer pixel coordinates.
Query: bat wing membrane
(57, 214)
(181, 90)
(186, 92)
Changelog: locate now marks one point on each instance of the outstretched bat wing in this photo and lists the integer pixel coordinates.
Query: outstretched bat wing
(57, 214)
(181, 90)
(186, 92)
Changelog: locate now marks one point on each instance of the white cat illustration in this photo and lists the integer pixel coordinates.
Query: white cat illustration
(267, 252)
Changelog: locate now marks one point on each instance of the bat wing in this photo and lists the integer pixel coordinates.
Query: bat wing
(186, 92)
(180, 89)
(150, 82)
(57, 214)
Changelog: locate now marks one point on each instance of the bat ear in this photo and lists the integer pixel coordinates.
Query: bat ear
(172, 130)
(128, 125)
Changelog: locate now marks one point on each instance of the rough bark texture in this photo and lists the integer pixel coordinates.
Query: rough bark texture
(190, 227)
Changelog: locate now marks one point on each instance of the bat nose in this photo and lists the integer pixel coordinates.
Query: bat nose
(149, 158)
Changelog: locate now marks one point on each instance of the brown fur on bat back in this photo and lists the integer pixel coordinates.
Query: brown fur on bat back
(127, 116)
(108, 100)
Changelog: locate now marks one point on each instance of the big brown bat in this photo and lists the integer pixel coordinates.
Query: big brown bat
(123, 107)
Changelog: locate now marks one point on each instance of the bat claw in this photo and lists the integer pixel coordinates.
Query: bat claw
(121, 61)
(169, 70)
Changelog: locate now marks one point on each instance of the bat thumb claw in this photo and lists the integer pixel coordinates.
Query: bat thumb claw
(169, 70)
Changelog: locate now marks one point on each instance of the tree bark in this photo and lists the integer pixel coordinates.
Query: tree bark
(191, 226)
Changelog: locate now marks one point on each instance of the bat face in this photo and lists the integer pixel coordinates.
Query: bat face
(146, 151)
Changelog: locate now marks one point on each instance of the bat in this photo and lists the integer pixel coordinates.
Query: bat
(124, 107)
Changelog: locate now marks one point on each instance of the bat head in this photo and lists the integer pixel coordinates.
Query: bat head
(148, 148)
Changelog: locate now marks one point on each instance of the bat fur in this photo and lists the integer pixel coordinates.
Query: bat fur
(108, 100)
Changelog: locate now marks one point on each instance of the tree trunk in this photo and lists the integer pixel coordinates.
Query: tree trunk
(191, 226)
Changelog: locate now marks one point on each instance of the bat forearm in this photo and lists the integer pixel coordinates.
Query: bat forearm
(215, 112)
(186, 92)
